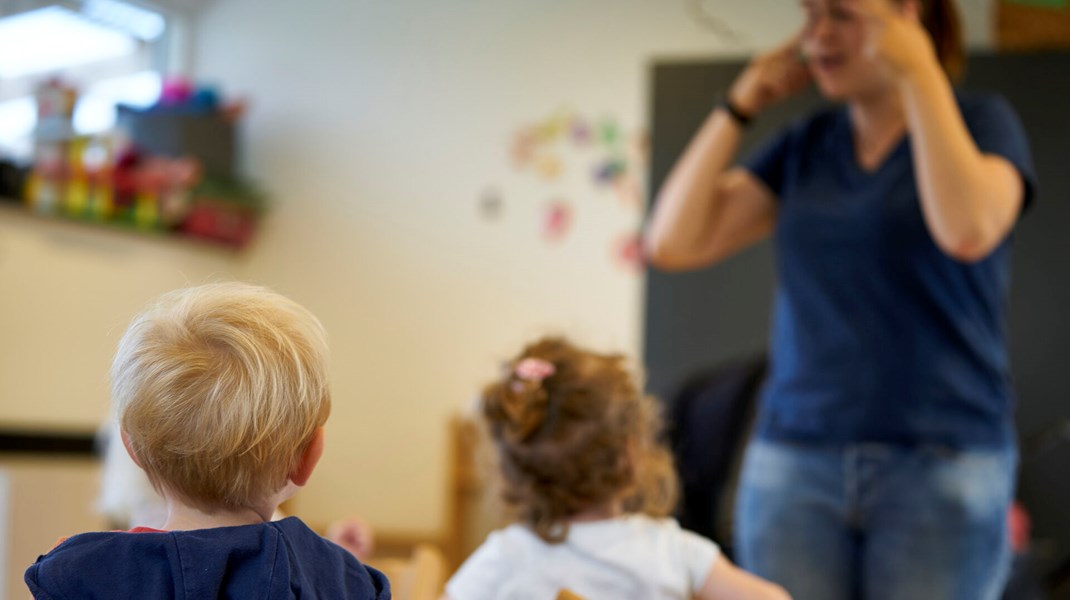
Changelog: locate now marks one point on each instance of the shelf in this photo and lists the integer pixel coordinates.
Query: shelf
(16, 209)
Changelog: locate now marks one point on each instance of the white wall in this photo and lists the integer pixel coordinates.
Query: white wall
(375, 125)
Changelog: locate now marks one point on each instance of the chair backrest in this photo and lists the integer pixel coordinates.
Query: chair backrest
(710, 423)
(567, 595)
(421, 576)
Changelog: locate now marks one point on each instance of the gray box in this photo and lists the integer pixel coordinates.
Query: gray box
(208, 137)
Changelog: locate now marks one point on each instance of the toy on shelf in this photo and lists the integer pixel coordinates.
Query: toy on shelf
(153, 192)
(54, 142)
(55, 110)
(173, 171)
(223, 211)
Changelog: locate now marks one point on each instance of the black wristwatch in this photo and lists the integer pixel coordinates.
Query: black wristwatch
(737, 115)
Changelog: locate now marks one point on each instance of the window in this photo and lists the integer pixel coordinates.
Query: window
(111, 51)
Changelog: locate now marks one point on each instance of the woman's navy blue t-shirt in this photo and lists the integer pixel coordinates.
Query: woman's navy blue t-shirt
(877, 334)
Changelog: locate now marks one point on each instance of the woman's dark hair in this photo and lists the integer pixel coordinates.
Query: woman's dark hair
(941, 19)
(576, 438)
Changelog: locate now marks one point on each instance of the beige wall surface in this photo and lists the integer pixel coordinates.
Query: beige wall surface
(376, 126)
(67, 291)
(45, 500)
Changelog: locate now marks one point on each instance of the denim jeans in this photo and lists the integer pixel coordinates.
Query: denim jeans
(876, 521)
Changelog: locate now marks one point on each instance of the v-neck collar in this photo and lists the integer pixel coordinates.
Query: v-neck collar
(853, 166)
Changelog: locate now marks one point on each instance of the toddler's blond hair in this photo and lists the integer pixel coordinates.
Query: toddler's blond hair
(219, 389)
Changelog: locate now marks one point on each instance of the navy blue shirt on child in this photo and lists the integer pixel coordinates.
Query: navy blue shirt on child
(277, 560)
(878, 335)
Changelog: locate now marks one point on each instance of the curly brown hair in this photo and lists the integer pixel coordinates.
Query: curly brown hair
(577, 439)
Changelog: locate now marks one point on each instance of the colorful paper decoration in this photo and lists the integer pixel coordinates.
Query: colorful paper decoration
(609, 170)
(605, 156)
(627, 252)
(608, 132)
(580, 132)
(548, 166)
(629, 191)
(523, 148)
(490, 204)
(556, 220)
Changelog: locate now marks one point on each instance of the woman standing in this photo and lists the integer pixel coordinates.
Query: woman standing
(884, 459)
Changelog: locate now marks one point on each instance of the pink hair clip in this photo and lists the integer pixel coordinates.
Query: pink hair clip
(534, 369)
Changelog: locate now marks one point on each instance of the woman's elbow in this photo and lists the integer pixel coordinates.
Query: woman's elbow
(973, 233)
(658, 253)
(665, 258)
(968, 247)
(777, 593)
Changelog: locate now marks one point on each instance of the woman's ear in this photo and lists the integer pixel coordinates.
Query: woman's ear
(309, 458)
(129, 449)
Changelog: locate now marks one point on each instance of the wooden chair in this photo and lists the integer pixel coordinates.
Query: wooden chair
(421, 576)
(474, 505)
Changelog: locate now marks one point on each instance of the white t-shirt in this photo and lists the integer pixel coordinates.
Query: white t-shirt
(633, 556)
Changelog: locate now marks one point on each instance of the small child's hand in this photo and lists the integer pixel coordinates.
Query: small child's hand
(355, 535)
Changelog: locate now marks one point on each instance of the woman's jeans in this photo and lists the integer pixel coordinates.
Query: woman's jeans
(876, 521)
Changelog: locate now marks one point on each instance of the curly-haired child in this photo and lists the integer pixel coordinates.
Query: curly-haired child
(591, 484)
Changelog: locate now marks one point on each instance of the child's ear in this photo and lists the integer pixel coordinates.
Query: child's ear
(129, 449)
(309, 458)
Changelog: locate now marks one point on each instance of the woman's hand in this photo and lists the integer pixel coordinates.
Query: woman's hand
(770, 78)
(895, 38)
